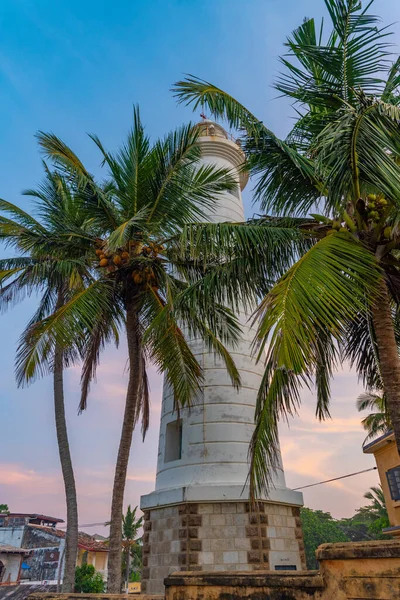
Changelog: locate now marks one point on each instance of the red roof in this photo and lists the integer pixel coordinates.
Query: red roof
(85, 541)
(33, 516)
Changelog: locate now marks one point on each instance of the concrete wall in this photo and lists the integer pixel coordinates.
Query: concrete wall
(12, 536)
(12, 564)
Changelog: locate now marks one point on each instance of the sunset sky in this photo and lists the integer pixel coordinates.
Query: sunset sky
(77, 67)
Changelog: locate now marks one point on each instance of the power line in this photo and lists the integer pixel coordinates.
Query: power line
(86, 525)
(303, 487)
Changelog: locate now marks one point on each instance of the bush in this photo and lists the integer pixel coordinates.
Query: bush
(319, 528)
(88, 581)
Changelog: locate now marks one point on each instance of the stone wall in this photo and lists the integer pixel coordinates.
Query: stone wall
(225, 536)
(351, 571)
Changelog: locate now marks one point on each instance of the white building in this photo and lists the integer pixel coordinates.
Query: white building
(198, 517)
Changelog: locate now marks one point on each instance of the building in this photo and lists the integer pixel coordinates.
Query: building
(387, 459)
(21, 519)
(198, 517)
(44, 546)
(11, 564)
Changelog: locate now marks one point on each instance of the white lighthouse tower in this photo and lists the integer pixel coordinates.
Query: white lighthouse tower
(199, 518)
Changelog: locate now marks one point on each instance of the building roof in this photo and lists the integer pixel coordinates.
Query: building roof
(85, 541)
(379, 443)
(33, 516)
(7, 549)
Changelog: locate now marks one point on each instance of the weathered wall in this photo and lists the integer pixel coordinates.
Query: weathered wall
(45, 557)
(224, 536)
(44, 563)
(363, 571)
(12, 536)
(12, 564)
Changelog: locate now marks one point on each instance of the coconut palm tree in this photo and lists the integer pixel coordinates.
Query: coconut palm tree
(130, 528)
(55, 269)
(147, 254)
(339, 301)
(378, 421)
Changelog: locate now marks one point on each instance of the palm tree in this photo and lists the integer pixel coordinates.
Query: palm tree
(144, 221)
(130, 528)
(378, 421)
(376, 512)
(378, 504)
(55, 269)
(339, 300)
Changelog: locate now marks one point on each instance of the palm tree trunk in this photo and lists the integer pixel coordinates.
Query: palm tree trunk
(388, 357)
(71, 537)
(132, 398)
(128, 564)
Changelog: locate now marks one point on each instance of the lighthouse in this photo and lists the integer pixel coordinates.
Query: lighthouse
(199, 517)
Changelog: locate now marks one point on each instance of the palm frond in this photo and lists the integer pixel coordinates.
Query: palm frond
(364, 139)
(321, 292)
(65, 327)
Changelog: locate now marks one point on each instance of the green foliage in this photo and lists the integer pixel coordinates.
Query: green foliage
(342, 157)
(88, 581)
(319, 528)
(131, 544)
(378, 421)
(131, 525)
(135, 576)
(4, 508)
(368, 522)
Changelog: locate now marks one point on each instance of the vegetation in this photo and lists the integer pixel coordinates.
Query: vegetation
(130, 528)
(88, 580)
(4, 509)
(54, 267)
(150, 272)
(320, 528)
(378, 421)
(339, 299)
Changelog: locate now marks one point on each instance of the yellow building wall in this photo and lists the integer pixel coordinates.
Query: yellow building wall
(387, 458)
(101, 561)
(98, 559)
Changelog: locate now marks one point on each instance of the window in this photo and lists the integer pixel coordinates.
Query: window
(173, 441)
(393, 478)
(2, 521)
(285, 568)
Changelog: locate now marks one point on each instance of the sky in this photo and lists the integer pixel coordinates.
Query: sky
(78, 67)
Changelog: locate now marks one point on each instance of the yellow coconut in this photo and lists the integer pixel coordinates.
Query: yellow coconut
(137, 277)
(103, 262)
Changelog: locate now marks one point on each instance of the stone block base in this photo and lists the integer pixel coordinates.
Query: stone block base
(223, 536)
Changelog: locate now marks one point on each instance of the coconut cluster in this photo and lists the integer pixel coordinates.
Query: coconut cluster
(375, 206)
(142, 274)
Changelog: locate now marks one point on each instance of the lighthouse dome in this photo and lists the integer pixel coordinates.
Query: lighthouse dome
(210, 128)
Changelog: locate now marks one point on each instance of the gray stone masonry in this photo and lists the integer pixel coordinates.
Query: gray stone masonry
(224, 536)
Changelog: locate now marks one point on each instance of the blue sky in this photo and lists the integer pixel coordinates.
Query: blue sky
(78, 67)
